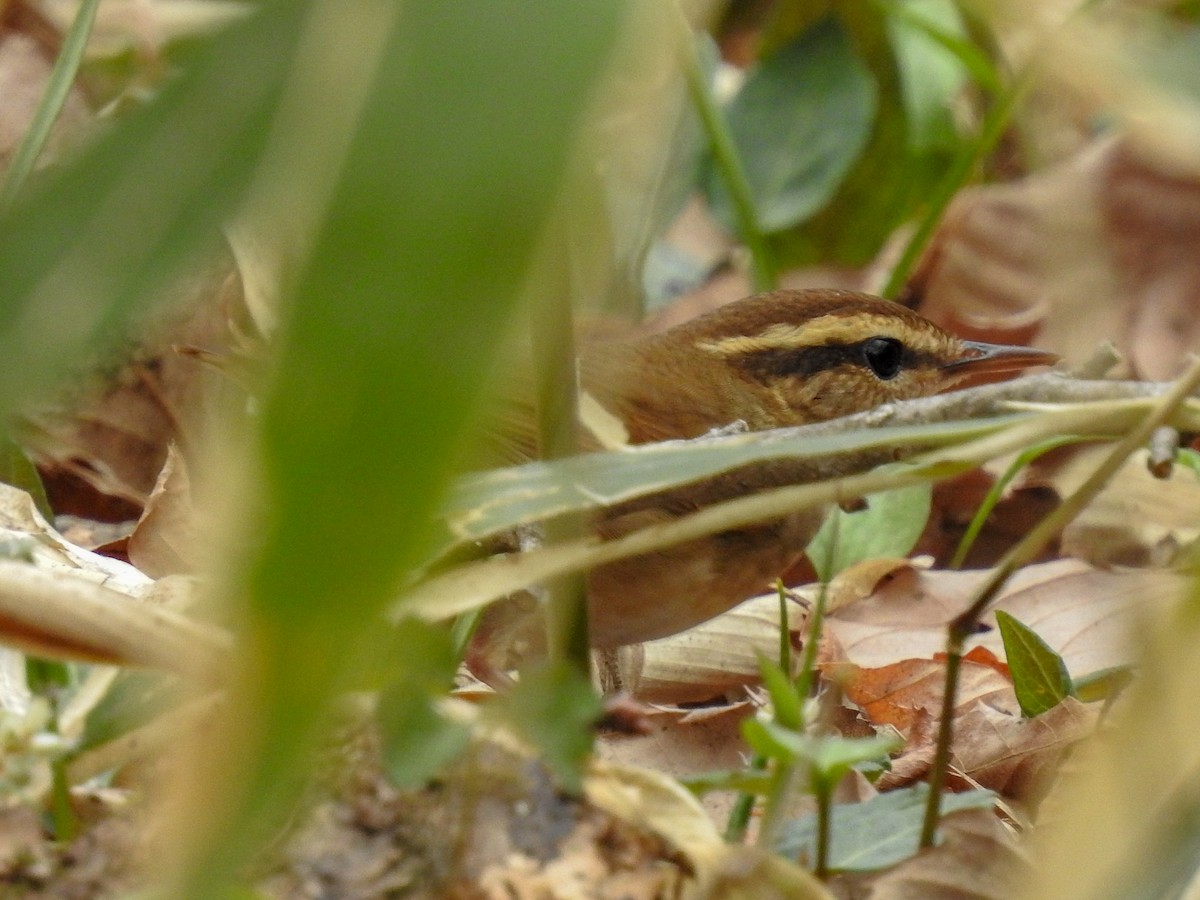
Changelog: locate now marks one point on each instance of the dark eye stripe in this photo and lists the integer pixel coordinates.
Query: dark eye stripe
(807, 361)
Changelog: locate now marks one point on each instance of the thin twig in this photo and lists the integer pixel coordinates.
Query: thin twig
(1026, 550)
(733, 174)
(959, 173)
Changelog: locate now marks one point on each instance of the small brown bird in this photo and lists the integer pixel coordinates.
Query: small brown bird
(773, 360)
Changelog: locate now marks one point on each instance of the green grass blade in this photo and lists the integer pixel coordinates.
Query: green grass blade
(58, 86)
(424, 246)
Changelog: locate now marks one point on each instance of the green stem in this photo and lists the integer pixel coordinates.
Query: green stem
(554, 364)
(743, 807)
(729, 164)
(777, 795)
(960, 172)
(824, 831)
(997, 490)
(58, 86)
(1025, 551)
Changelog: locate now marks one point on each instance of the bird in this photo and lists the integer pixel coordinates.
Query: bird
(775, 359)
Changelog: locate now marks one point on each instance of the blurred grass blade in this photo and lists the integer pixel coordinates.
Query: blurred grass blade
(62, 76)
(423, 246)
(996, 491)
(86, 250)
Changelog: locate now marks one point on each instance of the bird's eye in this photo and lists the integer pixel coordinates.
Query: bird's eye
(883, 356)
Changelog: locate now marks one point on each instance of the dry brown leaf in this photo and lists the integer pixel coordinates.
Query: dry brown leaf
(716, 657)
(165, 540)
(899, 693)
(683, 743)
(113, 430)
(61, 601)
(1013, 755)
(1137, 520)
(1098, 247)
(998, 749)
(1088, 615)
(660, 805)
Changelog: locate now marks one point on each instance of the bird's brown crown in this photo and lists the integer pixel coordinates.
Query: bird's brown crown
(784, 358)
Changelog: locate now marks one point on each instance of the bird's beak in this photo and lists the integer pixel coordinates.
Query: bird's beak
(977, 358)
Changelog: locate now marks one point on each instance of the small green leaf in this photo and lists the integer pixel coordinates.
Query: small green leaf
(799, 123)
(555, 709)
(878, 833)
(831, 756)
(771, 740)
(1189, 459)
(889, 526)
(1104, 684)
(1040, 676)
(17, 470)
(748, 781)
(134, 699)
(788, 706)
(417, 740)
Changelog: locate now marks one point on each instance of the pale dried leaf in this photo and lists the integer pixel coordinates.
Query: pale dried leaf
(166, 539)
(112, 430)
(685, 743)
(715, 657)
(1137, 520)
(63, 616)
(1088, 615)
(659, 804)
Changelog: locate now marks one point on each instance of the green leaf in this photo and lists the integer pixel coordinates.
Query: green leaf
(429, 154)
(17, 470)
(930, 45)
(832, 756)
(1104, 684)
(1189, 459)
(87, 249)
(880, 189)
(931, 29)
(876, 834)
(799, 122)
(555, 709)
(134, 699)
(58, 86)
(771, 740)
(888, 527)
(1040, 676)
(828, 756)
(747, 781)
(417, 740)
(787, 704)
(484, 503)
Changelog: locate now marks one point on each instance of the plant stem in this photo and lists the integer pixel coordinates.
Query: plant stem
(961, 169)
(1026, 550)
(58, 86)
(824, 822)
(729, 164)
(554, 364)
(743, 807)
